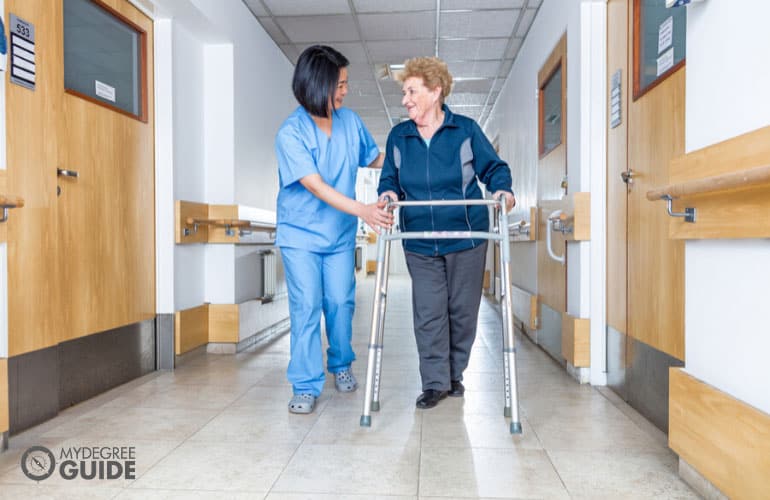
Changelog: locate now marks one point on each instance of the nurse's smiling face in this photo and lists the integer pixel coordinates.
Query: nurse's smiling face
(342, 89)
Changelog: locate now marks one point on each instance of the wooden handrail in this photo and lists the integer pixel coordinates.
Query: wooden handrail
(7, 201)
(739, 179)
(219, 222)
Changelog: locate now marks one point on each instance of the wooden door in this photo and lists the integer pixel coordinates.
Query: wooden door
(33, 124)
(651, 135)
(552, 170)
(106, 217)
(92, 246)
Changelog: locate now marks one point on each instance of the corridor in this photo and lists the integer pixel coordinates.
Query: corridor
(217, 427)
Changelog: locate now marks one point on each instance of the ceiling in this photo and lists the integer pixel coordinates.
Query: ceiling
(478, 39)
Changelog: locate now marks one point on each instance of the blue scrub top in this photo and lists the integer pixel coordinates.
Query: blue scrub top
(305, 221)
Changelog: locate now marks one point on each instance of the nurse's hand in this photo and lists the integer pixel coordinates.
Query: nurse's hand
(375, 215)
(510, 200)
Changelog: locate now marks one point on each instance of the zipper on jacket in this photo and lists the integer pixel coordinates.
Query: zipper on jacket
(430, 191)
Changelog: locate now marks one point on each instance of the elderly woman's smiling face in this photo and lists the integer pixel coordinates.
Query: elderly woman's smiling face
(420, 102)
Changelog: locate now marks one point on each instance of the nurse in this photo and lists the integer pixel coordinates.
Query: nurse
(319, 148)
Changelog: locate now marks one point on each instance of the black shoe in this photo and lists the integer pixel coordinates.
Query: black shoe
(457, 390)
(430, 398)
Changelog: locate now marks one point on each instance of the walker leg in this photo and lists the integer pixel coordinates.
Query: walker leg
(509, 350)
(375, 349)
(381, 330)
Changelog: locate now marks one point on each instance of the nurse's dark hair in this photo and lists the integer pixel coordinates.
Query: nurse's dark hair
(315, 78)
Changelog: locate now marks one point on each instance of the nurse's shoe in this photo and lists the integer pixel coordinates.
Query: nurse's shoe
(302, 403)
(344, 381)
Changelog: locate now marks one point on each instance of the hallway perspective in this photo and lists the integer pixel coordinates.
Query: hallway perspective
(218, 427)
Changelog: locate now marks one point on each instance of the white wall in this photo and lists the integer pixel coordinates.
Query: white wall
(514, 119)
(230, 91)
(189, 168)
(261, 83)
(727, 333)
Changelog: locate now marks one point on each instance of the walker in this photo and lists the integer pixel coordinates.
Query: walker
(499, 235)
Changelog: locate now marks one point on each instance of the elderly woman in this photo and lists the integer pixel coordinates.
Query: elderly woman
(439, 155)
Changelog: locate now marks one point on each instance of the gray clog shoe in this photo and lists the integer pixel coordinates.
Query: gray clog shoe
(344, 381)
(302, 403)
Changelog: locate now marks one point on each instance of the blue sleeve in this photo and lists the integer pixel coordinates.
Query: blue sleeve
(389, 176)
(490, 169)
(295, 159)
(368, 149)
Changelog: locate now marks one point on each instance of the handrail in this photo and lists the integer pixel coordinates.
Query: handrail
(740, 179)
(218, 222)
(520, 227)
(7, 202)
(228, 224)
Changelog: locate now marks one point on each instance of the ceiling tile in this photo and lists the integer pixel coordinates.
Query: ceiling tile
(474, 69)
(291, 52)
(393, 5)
(472, 86)
(466, 99)
(396, 51)
(339, 28)
(307, 7)
(394, 101)
(361, 102)
(480, 24)
(418, 25)
(467, 50)
(256, 7)
(481, 4)
(354, 51)
(272, 30)
(526, 22)
(363, 87)
(514, 49)
(360, 73)
(506, 68)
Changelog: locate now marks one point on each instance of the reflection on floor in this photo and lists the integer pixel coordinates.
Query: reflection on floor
(218, 427)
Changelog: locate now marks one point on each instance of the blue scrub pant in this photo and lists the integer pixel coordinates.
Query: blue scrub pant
(319, 282)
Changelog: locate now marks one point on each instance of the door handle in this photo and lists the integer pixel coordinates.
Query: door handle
(548, 230)
(628, 176)
(66, 173)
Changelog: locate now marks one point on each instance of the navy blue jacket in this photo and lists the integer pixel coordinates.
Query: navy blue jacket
(448, 169)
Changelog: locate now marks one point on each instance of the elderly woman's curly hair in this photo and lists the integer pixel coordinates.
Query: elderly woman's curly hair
(432, 70)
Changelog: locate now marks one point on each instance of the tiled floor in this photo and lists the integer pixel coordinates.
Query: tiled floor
(218, 428)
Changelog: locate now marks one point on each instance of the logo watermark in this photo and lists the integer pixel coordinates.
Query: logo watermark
(96, 462)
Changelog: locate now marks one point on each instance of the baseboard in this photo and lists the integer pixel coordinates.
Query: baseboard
(41, 383)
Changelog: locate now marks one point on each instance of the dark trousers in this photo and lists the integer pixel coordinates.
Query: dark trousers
(446, 294)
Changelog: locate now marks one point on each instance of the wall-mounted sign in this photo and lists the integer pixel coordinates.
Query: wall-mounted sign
(22, 52)
(615, 100)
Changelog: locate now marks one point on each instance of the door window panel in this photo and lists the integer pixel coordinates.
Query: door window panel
(552, 112)
(659, 42)
(104, 57)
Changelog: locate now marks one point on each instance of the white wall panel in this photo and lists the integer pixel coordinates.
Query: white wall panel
(726, 327)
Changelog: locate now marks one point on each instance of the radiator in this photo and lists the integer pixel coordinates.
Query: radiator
(269, 273)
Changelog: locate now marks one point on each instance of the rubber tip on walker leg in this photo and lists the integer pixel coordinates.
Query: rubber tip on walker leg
(507, 412)
(515, 427)
(366, 421)
(375, 406)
